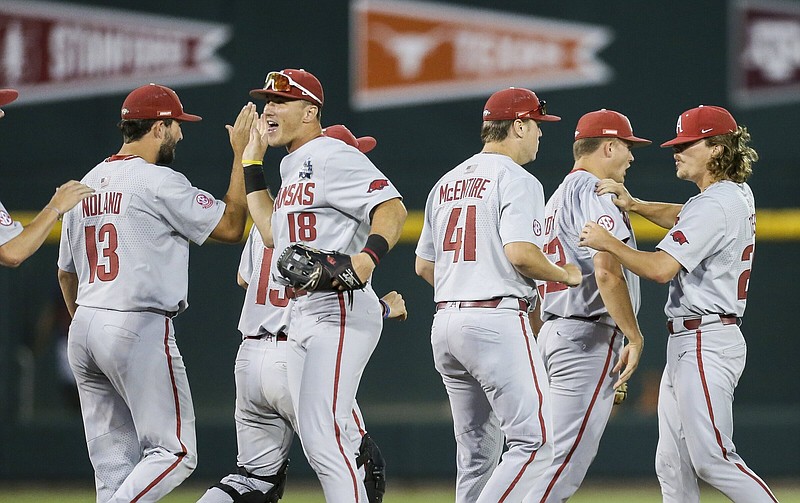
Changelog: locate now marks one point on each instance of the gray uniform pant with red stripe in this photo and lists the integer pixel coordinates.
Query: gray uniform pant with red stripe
(695, 418)
(578, 356)
(330, 342)
(136, 403)
(498, 391)
(265, 419)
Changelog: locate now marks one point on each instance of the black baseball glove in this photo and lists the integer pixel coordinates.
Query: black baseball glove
(620, 394)
(310, 269)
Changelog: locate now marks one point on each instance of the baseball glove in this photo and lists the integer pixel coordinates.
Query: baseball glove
(620, 394)
(310, 269)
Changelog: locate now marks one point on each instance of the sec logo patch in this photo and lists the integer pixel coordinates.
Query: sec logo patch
(5, 219)
(537, 228)
(606, 222)
(204, 201)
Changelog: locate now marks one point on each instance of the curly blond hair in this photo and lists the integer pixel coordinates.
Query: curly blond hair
(735, 160)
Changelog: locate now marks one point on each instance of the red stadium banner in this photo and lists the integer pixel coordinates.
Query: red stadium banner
(764, 52)
(407, 52)
(56, 51)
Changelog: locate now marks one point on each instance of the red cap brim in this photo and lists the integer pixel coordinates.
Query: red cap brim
(366, 143)
(261, 94)
(639, 142)
(7, 96)
(546, 118)
(188, 117)
(682, 139)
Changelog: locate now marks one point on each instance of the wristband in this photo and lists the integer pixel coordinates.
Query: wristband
(386, 309)
(376, 247)
(58, 213)
(254, 178)
(250, 162)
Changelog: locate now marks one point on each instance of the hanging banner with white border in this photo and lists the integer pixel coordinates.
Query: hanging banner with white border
(764, 52)
(57, 51)
(409, 52)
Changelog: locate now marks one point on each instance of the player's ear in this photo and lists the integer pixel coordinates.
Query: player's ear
(311, 113)
(158, 129)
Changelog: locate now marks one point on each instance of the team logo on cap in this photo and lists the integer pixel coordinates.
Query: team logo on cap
(606, 222)
(204, 201)
(5, 219)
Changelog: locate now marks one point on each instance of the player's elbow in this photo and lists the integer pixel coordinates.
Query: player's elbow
(12, 262)
(662, 276)
(10, 257)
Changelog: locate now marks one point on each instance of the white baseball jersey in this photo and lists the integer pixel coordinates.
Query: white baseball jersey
(129, 241)
(572, 205)
(714, 240)
(263, 309)
(9, 228)
(327, 208)
(473, 211)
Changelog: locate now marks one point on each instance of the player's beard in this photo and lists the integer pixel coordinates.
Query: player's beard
(166, 154)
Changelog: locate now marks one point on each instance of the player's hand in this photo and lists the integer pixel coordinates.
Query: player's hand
(239, 133)
(595, 236)
(362, 265)
(574, 275)
(623, 200)
(257, 145)
(397, 306)
(628, 361)
(68, 195)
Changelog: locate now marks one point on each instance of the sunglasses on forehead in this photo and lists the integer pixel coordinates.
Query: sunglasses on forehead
(279, 81)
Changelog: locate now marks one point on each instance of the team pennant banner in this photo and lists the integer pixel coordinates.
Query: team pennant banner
(57, 51)
(408, 52)
(764, 52)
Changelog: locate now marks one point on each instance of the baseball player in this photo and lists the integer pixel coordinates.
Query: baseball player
(265, 417)
(706, 257)
(581, 339)
(480, 249)
(333, 198)
(123, 267)
(18, 243)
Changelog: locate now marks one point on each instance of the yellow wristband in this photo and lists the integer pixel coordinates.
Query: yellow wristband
(250, 162)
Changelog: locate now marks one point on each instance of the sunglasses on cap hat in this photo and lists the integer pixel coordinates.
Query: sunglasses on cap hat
(538, 111)
(279, 81)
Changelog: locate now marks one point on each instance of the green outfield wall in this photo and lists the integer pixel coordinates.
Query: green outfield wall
(652, 60)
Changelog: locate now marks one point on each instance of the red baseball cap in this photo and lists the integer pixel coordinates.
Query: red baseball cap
(155, 102)
(7, 96)
(607, 123)
(294, 84)
(702, 122)
(340, 132)
(516, 103)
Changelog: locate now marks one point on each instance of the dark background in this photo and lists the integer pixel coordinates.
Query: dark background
(666, 57)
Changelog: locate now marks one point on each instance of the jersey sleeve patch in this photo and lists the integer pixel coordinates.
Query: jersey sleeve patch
(378, 184)
(537, 227)
(5, 219)
(607, 222)
(204, 200)
(679, 237)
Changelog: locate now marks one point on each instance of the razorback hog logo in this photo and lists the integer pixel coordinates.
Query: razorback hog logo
(331, 260)
(378, 185)
(679, 238)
